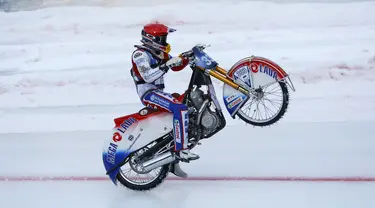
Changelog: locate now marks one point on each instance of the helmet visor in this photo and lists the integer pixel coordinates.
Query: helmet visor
(162, 40)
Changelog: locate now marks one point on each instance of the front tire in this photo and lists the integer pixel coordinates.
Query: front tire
(265, 119)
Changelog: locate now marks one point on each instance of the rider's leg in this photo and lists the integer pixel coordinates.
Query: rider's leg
(161, 100)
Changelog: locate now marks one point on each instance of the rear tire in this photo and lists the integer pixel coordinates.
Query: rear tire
(138, 183)
(144, 187)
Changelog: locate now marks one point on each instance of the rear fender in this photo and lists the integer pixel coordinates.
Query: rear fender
(131, 133)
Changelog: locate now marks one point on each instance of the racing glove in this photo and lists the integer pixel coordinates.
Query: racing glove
(173, 62)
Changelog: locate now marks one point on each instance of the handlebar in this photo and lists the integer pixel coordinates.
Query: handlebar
(190, 54)
(202, 46)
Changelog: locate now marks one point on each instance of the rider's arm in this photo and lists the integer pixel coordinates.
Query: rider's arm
(143, 62)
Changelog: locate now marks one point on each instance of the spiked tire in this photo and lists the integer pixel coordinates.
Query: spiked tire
(280, 114)
(145, 187)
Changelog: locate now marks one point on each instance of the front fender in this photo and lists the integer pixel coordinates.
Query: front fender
(251, 72)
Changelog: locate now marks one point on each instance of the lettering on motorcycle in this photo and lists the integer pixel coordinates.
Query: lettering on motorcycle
(235, 102)
(177, 130)
(126, 124)
(242, 74)
(117, 137)
(241, 71)
(266, 70)
(204, 60)
(111, 153)
(186, 127)
(231, 98)
(136, 138)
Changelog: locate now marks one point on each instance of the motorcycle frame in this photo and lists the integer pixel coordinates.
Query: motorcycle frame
(220, 74)
(199, 78)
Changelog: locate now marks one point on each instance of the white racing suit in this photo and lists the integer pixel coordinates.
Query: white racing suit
(148, 77)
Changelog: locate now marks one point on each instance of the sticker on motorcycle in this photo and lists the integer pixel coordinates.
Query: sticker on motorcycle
(235, 102)
(177, 130)
(126, 124)
(231, 98)
(116, 137)
(203, 60)
(111, 153)
(254, 67)
(143, 112)
(265, 70)
(243, 75)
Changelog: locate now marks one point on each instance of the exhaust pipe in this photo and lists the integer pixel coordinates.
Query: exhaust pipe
(158, 161)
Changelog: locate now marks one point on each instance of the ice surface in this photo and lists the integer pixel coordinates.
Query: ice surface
(64, 77)
(320, 149)
(189, 194)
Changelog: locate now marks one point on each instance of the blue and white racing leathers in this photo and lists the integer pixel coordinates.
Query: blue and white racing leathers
(150, 85)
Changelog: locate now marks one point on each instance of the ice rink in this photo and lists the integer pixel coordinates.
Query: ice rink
(269, 194)
(64, 78)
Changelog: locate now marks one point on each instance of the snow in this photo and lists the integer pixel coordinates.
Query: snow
(64, 76)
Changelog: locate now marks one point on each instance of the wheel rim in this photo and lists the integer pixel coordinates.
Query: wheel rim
(132, 174)
(264, 104)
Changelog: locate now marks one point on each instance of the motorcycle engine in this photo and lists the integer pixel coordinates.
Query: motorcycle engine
(209, 119)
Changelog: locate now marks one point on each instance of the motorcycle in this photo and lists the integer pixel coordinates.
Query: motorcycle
(142, 143)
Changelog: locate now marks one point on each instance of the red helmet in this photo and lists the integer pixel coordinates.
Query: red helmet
(155, 36)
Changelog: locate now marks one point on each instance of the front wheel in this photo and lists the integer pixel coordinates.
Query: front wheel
(266, 106)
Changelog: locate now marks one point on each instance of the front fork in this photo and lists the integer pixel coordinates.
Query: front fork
(221, 74)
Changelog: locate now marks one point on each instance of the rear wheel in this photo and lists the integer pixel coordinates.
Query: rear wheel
(142, 183)
(132, 176)
(266, 105)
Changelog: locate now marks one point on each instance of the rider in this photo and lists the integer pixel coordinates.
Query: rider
(151, 61)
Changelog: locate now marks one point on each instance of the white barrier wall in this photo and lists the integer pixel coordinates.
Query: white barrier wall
(20, 5)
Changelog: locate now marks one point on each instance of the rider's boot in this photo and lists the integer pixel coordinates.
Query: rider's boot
(186, 155)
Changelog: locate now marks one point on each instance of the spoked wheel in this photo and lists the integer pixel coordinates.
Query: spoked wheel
(132, 176)
(266, 105)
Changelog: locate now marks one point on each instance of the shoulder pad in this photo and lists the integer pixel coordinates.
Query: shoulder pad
(138, 53)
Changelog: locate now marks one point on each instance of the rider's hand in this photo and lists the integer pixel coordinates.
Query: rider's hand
(188, 54)
(175, 61)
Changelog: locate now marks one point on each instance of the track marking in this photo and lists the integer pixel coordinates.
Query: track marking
(195, 178)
